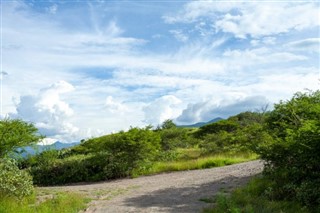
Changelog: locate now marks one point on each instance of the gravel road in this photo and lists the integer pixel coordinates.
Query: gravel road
(170, 192)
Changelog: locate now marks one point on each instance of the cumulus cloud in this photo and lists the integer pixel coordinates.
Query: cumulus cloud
(210, 109)
(163, 108)
(115, 106)
(48, 112)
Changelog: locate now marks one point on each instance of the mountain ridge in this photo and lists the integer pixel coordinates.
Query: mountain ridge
(200, 124)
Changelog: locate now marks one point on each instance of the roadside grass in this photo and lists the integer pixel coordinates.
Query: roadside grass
(62, 202)
(253, 198)
(192, 163)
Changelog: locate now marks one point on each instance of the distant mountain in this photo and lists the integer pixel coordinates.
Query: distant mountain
(200, 124)
(58, 145)
(32, 150)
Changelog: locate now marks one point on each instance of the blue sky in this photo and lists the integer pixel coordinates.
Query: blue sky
(79, 69)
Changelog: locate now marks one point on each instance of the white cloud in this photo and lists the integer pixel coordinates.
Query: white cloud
(179, 35)
(309, 45)
(161, 109)
(115, 106)
(47, 141)
(259, 56)
(194, 10)
(200, 72)
(255, 19)
(210, 109)
(48, 112)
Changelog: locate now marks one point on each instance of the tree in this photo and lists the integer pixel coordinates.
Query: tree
(294, 155)
(15, 133)
(168, 124)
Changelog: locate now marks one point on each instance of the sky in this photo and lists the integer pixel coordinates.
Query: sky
(80, 69)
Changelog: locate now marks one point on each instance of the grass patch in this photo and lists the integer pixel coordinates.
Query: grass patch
(59, 202)
(253, 198)
(189, 153)
(199, 163)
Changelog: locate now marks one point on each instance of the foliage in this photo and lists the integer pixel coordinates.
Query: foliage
(168, 124)
(14, 183)
(254, 198)
(174, 138)
(103, 158)
(136, 147)
(61, 202)
(240, 133)
(16, 133)
(293, 156)
(222, 125)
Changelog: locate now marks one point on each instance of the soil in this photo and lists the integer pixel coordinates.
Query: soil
(186, 191)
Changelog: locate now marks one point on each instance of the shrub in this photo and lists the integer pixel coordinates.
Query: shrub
(223, 125)
(293, 157)
(107, 157)
(14, 182)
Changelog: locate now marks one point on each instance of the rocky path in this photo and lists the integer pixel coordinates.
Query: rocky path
(170, 192)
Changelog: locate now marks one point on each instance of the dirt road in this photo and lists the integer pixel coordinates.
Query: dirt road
(171, 192)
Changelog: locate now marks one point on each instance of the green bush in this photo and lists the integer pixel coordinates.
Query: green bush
(174, 138)
(223, 125)
(293, 156)
(135, 148)
(253, 198)
(14, 182)
(103, 158)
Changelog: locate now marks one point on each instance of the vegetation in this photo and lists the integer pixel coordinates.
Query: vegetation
(293, 156)
(16, 133)
(286, 138)
(289, 144)
(253, 198)
(61, 202)
(17, 193)
(146, 151)
(14, 183)
(198, 163)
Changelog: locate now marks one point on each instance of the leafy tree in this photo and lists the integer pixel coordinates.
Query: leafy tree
(135, 147)
(248, 118)
(294, 155)
(168, 124)
(16, 133)
(173, 138)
